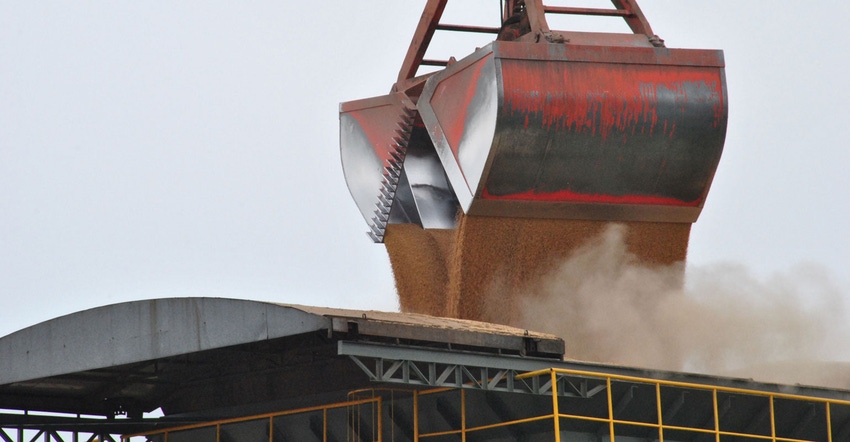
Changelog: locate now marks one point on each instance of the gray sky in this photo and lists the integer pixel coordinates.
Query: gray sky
(156, 149)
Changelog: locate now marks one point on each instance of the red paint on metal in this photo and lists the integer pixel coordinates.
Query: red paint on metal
(379, 125)
(598, 98)
(569, 196)
(451, 102)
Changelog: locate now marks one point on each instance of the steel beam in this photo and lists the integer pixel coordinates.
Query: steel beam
(371, 352)
(454, 369)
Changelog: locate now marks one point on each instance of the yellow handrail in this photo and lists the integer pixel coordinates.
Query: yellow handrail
(377, 404)
(220, 422)
(693, 385)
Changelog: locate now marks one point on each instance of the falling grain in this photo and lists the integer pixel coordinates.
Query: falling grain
(483, 269)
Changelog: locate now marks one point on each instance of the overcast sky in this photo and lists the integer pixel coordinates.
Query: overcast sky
(190, 148)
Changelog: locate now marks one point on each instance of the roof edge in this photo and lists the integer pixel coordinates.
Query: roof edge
(138, 331)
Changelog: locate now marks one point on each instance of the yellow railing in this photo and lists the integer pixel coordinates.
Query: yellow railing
(374, 403)
(557, 416)
(716, 431)
(560, 419)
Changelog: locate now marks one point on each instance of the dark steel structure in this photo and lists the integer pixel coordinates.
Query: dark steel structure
(200, 358)
(236, 370)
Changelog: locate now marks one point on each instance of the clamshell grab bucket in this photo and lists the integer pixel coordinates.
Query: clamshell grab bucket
(580, 132)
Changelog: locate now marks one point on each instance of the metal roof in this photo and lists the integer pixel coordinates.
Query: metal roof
(192, 354)
(201, 359)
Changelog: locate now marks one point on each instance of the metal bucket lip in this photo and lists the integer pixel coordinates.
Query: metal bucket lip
(368, 103)
(518, 50)
(605, 54)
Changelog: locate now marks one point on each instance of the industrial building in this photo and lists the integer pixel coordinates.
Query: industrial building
(236, 370)
(492, 166)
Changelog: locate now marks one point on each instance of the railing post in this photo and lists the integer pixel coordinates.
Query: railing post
(828, 423)
(610, 407)
(555, 412)
(415, 415)
(716, 415)
(660, 414)
(463, 415)
(772, 420)
(380, 420)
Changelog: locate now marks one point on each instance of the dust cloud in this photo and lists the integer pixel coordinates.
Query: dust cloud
(610, 307)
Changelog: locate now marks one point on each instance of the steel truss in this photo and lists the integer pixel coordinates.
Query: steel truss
(19, 434)
(29, 426)
(618, 404)
(453, 369)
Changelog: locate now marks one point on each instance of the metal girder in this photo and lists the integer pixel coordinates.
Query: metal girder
(421, 38)
(581, 388)
(16, 427)
(635, 18)
(429, 22)
(422, 354)
(453, 369)
(368, 352)
(434, 374)
(54, 436)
